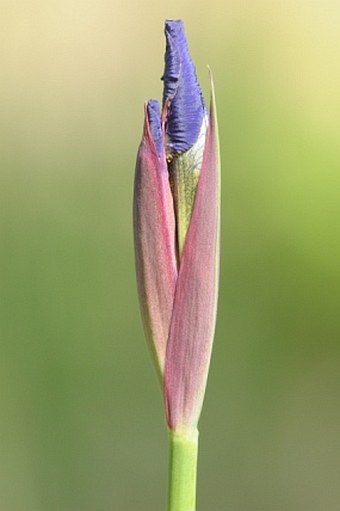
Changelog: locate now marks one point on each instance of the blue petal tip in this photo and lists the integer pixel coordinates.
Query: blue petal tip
(154, 118)
(187, 109)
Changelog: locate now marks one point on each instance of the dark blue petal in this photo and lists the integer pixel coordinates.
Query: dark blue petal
(187, 108)
(154, 117)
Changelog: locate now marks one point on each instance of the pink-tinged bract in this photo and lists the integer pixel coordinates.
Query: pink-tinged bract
(195, 303)
(154, 237)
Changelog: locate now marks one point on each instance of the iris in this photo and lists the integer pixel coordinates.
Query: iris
(176, 227)
(176, 234)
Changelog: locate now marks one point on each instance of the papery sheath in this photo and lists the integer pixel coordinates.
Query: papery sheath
(194, 313)
(154, 235)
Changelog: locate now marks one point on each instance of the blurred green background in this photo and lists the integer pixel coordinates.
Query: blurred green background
(81, 424)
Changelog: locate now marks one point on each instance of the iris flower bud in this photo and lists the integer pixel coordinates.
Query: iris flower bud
(177, 232)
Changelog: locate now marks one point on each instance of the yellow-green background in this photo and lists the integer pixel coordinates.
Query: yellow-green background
(81, 425)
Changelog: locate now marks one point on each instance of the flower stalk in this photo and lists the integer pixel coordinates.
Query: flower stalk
(182, 472)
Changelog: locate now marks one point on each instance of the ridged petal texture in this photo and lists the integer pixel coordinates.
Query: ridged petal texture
(181, 87)
(194, 312)
(154, 235)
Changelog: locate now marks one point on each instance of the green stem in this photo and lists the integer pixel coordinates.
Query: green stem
(182, 472)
